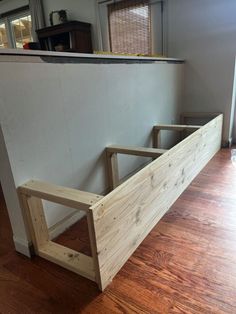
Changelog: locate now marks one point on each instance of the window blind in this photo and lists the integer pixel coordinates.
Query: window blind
(129, 26)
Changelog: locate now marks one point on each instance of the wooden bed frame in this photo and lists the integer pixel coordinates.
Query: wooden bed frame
(119, 221)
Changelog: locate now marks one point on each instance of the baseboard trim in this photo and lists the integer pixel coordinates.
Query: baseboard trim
(23, 247)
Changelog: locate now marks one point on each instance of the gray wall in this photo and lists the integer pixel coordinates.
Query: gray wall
(58, 118)
(8, 5)
(204, 33)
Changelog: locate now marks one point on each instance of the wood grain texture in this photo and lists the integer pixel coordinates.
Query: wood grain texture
(156, 138)
(60, 195)
(119, 222)
(112, 170)
(68, 258)
(184, 128)
(185, 265)
(32, 208)
(94, 249)
(124, 217)
(112, 160)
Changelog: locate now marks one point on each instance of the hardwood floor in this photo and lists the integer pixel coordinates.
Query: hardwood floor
(187, 264)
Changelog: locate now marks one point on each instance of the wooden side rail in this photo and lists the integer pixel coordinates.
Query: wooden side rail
(112, 162)
(31, 195)
(137, 151)
(170, 127)
(60, 195)
(176, 127)
(79, 263)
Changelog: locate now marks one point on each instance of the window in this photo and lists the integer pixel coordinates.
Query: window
(130, 26)
(15, 30)
(21, 30)
(3, 36)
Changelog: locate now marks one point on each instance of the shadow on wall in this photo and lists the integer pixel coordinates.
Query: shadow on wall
(100, 163)
(234, 129)
(198, 91)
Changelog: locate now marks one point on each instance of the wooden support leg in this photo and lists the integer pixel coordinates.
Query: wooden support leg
(113, 173)
(94, 249)
(156, 142)
(33, 208)
(56, 253)
(183, 132)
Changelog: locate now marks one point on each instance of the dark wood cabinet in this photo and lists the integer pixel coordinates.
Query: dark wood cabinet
(72, 36)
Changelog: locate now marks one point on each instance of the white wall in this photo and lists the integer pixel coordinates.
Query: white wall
(204, 33)
(58, 119)
(21, 237)
(82, 10)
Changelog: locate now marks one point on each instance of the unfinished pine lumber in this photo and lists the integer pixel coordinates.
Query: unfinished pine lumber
(112, 161)
(121, 220)
(170, 127)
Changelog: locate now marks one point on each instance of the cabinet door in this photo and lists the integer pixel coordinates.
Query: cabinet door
(81, 41)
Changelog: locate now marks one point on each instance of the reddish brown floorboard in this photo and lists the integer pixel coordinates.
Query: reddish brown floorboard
(76, 237)
(187, 264)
